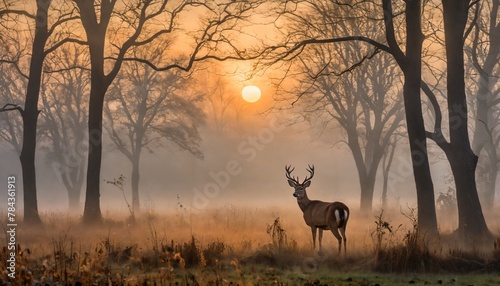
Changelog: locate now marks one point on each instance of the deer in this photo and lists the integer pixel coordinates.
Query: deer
(319, 215)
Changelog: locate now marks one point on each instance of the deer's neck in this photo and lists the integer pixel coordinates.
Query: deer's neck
(303, 202)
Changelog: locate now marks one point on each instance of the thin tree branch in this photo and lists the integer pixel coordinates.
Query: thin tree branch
(301, 45)
(390, 33)
(11, 107)
(14, 62)
(474, 20)
(16, 12)
(435, 105)
(65, 41)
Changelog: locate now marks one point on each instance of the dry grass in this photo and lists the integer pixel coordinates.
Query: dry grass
(232, 246)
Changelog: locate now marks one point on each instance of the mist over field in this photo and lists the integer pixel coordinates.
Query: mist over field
(261, 154)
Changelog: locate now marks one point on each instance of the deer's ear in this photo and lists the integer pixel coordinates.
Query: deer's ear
(292, 183)
(307, 184)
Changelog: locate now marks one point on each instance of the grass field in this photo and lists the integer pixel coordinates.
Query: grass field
(240, 246)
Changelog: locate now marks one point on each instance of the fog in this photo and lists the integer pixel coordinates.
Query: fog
(246, 169)
(245, 148)
(243, 162)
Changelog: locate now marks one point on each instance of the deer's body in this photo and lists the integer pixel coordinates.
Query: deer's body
(320, 215)
(324, 215)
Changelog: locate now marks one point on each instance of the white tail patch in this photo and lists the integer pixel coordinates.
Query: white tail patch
(337, 216)
(346, 215)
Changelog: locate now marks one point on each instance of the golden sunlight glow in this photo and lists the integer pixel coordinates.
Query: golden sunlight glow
(251, 93)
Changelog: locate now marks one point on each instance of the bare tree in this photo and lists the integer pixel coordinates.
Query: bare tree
(484, 54)
(144, 107)
(30, 111)
(221, 104)
(65, 117)
(365, 103)
(42, 32)
(141, 23)
(368, 104)
(12, 87)
(12, 80)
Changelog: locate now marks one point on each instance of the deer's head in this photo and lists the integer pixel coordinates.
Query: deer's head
(300, 189)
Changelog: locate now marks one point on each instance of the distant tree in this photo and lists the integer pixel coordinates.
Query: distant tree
(12, 80)
(387, 160)
(65, 117)
(223, 103)
(364, 102)
(144, 107)
(483, 51)
(12, 87)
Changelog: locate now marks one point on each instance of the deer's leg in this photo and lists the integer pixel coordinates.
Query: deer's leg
(342, 231)
(336, 233)
(313, 230)
(320, 237)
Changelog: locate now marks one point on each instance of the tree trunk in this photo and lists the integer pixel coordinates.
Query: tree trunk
(72, 177)
(427, 220)
(76, 191)
(74, 201)
(386, 167)
(30, 115)
(92, 210)
(74, 197)
(412, 69)
(491, 187)
(486, 175)
(99, 84)
(385, 186)
(480, 137)
(481, 142)
(411, 65)
(485, 82)
(471, 222)
(367, 188)
(365, 185)
(366, 166)
(492, 174)
(27, 158)
(135, 181)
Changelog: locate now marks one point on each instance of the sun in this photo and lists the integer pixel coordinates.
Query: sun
(251, 93)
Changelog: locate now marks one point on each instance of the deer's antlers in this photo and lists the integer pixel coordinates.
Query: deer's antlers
(310, 169)
(289, 170)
